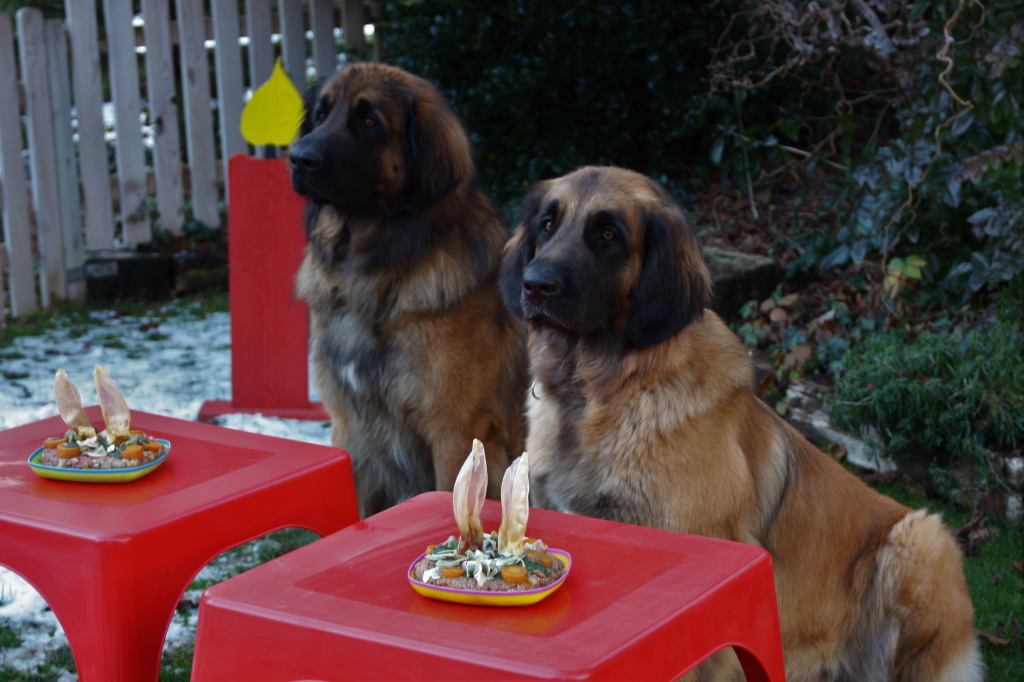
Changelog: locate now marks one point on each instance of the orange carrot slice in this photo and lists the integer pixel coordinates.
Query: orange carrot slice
(514, 573)
(50, 443)
(542, 558)
(68, 451)
(452, 572)
(132, 451)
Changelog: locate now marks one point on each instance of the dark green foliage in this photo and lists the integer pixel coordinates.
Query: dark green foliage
(923, 127)
(50, 8)
(545, 87)
(911, 139)
(939, 394)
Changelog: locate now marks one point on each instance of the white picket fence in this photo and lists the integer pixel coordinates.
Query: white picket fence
(62, 198)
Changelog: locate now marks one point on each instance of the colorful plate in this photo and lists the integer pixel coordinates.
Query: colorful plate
(96, 475)
(480, 598)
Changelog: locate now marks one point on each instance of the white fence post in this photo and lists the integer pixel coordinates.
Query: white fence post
(45, 198)
(163, 115)
(293, 43)
(125, 95)
(195, 71)
(65, 201)
(230, 82)
(325, 53)
(88, 100)
(69, 204)
(21, 282)
(353, 18)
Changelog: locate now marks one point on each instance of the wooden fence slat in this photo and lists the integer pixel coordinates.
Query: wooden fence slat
(353, 18)
(261, 50)
(293, 42)
(230, 82)
(73, 196)
(21, 284)
(32, 50)
(325, 54)
(88, 101)
(69, 205)
(195, 68)
(163, 115)
(125, 95)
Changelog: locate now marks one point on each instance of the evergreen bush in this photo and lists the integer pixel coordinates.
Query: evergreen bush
(956, 399)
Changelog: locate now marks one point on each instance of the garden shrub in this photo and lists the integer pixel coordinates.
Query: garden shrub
(544, 87)
(956, 399)
(914, 109)
(907, 115)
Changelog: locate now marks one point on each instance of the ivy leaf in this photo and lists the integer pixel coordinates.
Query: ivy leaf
(788, 128)
(716, 151)
(838, 257)
(913, 266)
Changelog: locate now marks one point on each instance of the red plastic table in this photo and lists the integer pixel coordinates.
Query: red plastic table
(113, 559)
(638, 603)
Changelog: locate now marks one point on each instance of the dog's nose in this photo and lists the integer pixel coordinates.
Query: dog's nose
(540, 282)
(304, 159)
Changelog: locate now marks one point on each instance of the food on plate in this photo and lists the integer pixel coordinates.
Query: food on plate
(500, 561)
(81, 447)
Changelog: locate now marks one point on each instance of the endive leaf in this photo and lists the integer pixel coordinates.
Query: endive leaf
(468, 498)
(115, 409)
(69, 404)
(515, 507)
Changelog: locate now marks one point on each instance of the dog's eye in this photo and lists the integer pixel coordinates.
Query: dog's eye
(547, 225)
(369, 122)
(608, 236)
(319, 116)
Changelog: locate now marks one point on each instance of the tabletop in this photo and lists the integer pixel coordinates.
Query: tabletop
(205, 462)
(630, 591)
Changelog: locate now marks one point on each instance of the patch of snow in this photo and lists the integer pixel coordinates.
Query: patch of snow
(166, 363)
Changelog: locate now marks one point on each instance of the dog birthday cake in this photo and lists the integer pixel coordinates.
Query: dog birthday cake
(500, 561)
(82, 447)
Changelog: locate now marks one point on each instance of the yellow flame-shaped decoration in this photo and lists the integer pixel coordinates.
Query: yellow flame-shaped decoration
(274, 114)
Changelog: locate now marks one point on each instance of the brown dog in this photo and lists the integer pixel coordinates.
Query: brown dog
(642, 412)
(414, 354)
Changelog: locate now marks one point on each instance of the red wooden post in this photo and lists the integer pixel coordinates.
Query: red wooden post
(269, 326)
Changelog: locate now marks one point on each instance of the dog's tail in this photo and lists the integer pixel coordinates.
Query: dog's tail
(921, 588)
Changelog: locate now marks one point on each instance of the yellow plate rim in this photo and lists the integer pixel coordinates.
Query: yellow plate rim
(96, 475)
(482, 598)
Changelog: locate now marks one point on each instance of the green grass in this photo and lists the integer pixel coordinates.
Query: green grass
(8, 638)
(995, 582)
(74, 319)
(56, 663)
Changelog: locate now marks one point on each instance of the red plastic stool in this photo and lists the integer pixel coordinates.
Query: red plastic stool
(113, 559)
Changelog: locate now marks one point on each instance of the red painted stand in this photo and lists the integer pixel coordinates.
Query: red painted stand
(269, 327)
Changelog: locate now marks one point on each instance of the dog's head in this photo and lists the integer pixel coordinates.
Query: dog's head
(377, 139)
(605, 251)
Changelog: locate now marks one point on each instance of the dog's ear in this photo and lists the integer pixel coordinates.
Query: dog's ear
(309, 101)
(675, 284)
(521, 248)
(438, 157)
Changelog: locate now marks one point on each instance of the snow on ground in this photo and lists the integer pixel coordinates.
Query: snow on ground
(167, 363)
